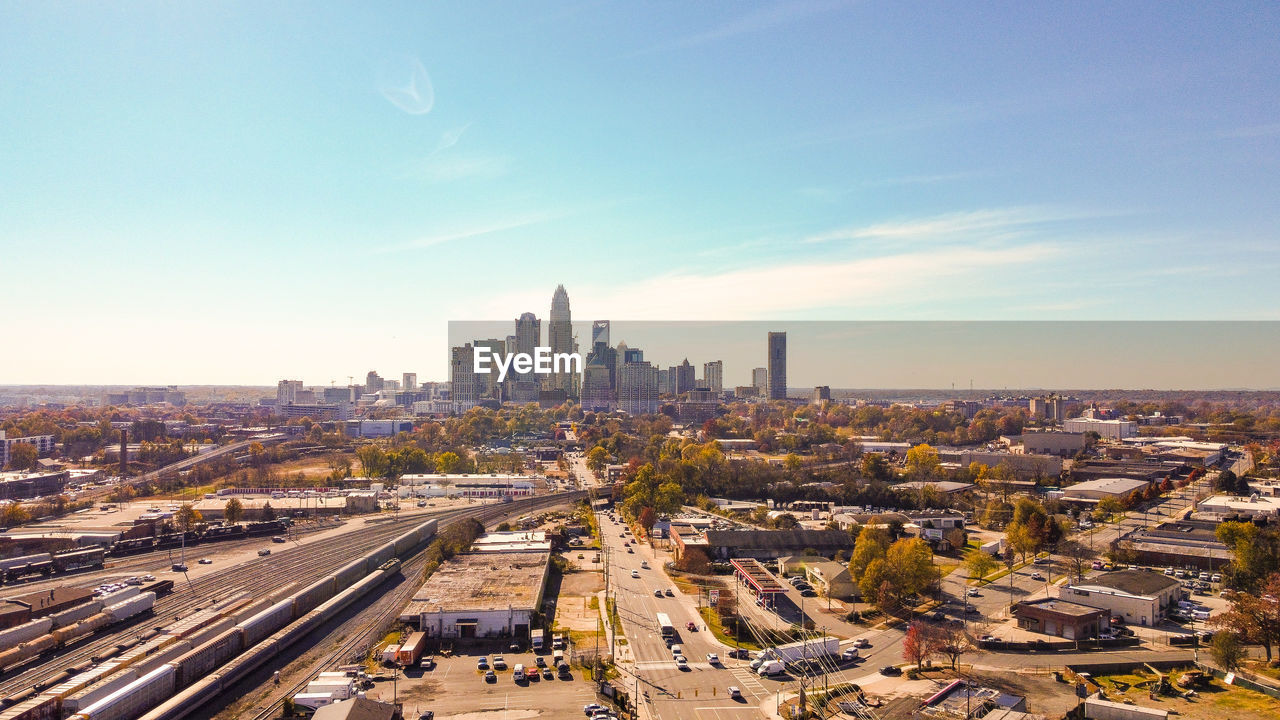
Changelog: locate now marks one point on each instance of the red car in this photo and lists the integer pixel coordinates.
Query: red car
(691, 627)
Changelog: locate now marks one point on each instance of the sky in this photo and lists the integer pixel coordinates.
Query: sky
(239, 192)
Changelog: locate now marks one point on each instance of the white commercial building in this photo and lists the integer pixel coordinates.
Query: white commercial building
(1138, 596)
(469, 486)
(1255, 505)
(1095, 490)
(43, 443)
(1108, 429)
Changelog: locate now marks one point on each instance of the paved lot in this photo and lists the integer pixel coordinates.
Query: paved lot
(455, 689)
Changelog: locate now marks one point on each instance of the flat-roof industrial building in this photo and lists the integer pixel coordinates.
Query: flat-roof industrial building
(481, 595)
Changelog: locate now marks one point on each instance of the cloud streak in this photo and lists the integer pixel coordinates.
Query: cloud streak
(414, 94)
(994, 224)
(476, 231)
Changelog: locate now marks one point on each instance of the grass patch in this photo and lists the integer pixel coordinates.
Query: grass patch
(717, 629)
(614, 621)
(594, 603)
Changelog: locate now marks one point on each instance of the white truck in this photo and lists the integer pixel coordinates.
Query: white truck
(803, 650)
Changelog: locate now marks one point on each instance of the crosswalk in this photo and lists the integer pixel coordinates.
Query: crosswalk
(748, 680)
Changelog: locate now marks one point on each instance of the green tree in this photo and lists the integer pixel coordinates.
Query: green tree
(910, 563)
(373, 460)
(922, 462)
(267, 512)
(233, 511)
(448, 463)
(980, 564)
(871, 545)
(1227, 650)
(597, 458)
(188, 516)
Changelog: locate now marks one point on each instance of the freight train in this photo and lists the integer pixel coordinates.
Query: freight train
(46, 564)
(23, 642)
(218, 654)
(216, 533)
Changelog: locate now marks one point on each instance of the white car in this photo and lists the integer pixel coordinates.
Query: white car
(713, 659)
(861, 643)
(682, 663)
(973, 592)
(635, 574)
(734, 692)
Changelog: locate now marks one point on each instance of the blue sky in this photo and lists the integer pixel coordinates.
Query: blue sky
(239, 192)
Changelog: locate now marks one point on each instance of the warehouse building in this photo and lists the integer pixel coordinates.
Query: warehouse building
(1061, 618)
(1137, 596)
(1253, 506)
(469, 486)
(1091, 491)
(481, 595)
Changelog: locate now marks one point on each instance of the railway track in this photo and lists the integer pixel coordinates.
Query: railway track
(261, 578)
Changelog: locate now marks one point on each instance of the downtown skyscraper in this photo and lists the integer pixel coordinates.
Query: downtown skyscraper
(777, 366)
(560, 339)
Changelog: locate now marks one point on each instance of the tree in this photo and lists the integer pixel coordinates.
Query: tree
(910, 566)
(1019, 539)
(267, 513)
(23, 456)
(958, 539)
(14, 514)
(188, 516)
(922, 462)
(1110, 506)
(1253, 618)
(917, 644)
(980, 564)
(373, 460)
(1078, 555)
(1227, 650)
(785, 521)
(871, 545)
(648, 518)
(597, 457)
(694, 560)
(233, 510)
(448, 463)
(950, 641)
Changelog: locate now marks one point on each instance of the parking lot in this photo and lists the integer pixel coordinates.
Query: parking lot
(456, 689)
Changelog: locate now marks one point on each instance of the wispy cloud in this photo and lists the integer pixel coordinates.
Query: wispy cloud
(475, 231)
(837, 192)
(766, 17)
(464, 167)
(993, 224)
(408, 87)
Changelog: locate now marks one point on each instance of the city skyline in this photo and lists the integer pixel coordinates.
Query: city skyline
(791, 161)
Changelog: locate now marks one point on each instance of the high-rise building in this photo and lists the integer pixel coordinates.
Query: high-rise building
(777, 366)
(597, 387)
(524, 386)
(409, 381)
(466, 386)
(685, 377)
(488, 383)
(760, 380)
(372, 382)
(560, 339)
(713, 376)
(287, 392)
(821, 394)
(599, 332)
(638, 388)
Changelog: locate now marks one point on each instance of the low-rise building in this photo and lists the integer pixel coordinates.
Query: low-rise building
(1179, 544)
(773, 544)
(1061, 618)
(43, 444)
(469, 486)
(481, 595)
(1091, 491)
(1252, 506)
(1138, 596)
(27, 485)
(1108, 429)
(1061, 444)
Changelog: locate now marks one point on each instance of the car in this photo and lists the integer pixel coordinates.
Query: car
(622, 535)
(1168, 571)
(988, 638)
(148, 577)
(669, 592)
(1040, 561)
(499, 663)
(427, 663)
(264, 552)
(938, 616)
(690, 626)
(644, 564)
(581, 556)
(890, 670)
(539, 661)
(482, 663)
(635, 574)
(1216, 577)
(734, 692)
(861, 643)
(205, 561)
(179, 567)
(973, 592)
(657, 593)
(1179, 573)
(740, 654)
(850, 654)
(713, 659)
(427, 715)
(1037, 576)
(630, 551)
(135, 580)
(548, 674)
(676, 650)
(1204, 576)
(808, 593)
(681, 663)
(592, 709)
(491, 676)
